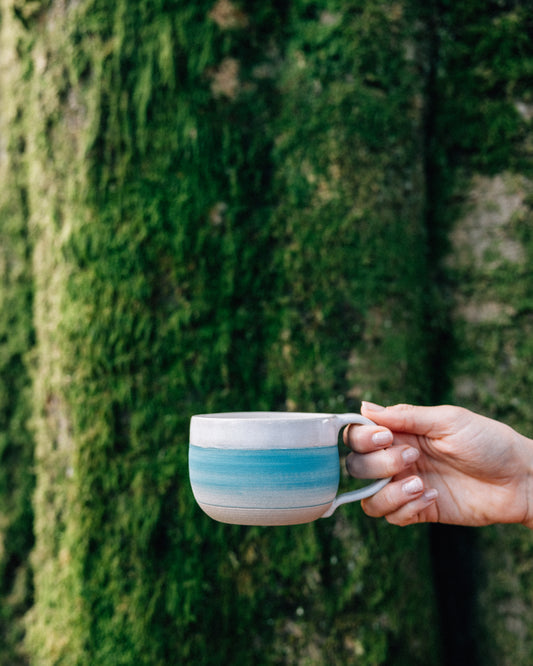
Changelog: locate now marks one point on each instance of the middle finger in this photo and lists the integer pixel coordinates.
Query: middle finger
(380, 464)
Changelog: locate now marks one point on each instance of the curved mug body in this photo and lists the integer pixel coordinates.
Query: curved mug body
(268, 468)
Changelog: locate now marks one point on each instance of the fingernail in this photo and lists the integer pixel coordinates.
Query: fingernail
(411, 455)
(382, 438)
(430, 495)
(372, 407)
(413, 486)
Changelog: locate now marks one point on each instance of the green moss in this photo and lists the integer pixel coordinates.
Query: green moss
(351, 189)
(184, 242)
(235, 207)
(16, 341)
(485, 64)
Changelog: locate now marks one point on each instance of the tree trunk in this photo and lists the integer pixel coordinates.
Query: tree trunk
(216, 206)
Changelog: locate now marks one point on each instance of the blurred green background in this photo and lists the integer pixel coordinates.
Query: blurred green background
(221, 205)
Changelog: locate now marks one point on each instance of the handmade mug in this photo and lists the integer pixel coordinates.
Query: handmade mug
(270, 468)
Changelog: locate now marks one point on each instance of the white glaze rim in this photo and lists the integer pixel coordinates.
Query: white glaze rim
(268, 430)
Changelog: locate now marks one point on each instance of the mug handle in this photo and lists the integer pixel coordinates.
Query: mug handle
(355, 495)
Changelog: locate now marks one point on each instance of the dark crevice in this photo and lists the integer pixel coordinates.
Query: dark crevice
(453, 549)
(455, 556)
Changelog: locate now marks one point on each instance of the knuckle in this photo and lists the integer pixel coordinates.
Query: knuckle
(405, 407)
(406, 414)
(370, 510)
(351, 464)
(380, 504)
(388, 495)
(391, 463)
(356, 435)
(397, 521)
(348, 436)
(454, 412)
(393, 520)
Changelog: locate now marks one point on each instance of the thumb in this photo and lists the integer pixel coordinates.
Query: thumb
(429, 421)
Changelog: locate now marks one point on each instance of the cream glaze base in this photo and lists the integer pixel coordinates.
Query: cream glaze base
(264, 517)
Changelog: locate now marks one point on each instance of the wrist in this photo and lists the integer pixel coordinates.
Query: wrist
(527, 452)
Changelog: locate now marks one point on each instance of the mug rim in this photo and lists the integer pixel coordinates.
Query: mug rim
(266, 415)
(263, 430)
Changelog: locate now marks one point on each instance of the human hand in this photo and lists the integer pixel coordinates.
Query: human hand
(448, 464)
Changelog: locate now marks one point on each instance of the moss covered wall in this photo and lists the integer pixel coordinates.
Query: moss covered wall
(351, 191)
(484, 161)
(219, 206)
(16, 342)
(196, 245)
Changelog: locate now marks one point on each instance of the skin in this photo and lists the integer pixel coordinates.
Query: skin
(448, 464)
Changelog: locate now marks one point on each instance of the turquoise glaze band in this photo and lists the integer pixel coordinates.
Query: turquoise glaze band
(266, 479)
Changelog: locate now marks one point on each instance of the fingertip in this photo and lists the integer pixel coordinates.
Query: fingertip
(371, 406)
(382, 438)
(410, 455)
(413, 486)
(430, 495)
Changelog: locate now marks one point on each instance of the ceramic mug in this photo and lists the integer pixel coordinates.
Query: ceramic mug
(270, 468)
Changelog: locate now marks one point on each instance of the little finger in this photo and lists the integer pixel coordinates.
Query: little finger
(393, 497)
(421, 510)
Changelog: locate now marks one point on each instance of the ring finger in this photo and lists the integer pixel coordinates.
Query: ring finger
(393, 497)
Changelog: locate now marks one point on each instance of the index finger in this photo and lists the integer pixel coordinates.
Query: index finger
(366, 438)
